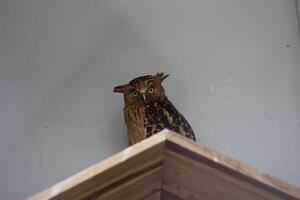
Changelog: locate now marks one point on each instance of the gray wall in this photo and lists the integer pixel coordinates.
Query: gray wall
(297, 2)
(234, 73)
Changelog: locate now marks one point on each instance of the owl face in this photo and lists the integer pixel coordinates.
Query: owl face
(143, 89)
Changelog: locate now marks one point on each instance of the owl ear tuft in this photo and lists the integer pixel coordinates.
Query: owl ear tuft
(160, 77)
(122, 88)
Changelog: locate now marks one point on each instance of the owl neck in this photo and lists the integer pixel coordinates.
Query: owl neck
(133, 106)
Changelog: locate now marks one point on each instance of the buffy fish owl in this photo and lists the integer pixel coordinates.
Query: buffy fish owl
(148, 110)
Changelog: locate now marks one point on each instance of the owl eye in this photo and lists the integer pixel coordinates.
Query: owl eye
(150, 90)
(135, 93)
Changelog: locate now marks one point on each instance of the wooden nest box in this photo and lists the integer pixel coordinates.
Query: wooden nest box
(168, 166)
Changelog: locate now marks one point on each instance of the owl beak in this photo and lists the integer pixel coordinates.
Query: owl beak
(144, 98)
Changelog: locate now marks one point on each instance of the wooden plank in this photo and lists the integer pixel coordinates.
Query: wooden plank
(136, 188)
(109, 171)
(187, 178)
(155, 196)
(165, 195)
(120, 178)
(234, 169)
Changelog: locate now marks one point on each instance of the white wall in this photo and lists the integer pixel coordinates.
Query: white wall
(234, 73)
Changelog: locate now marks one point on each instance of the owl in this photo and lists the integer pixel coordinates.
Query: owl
(148, 110)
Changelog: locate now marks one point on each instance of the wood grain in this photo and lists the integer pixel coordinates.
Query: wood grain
(194, 180)
(155, 196)
(165, 195)
(136, 188)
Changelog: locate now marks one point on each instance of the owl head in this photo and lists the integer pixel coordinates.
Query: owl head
(143, 89)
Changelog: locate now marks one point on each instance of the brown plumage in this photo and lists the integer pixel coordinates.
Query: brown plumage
(147, 109)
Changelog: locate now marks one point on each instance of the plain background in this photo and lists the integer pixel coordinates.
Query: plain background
(234, 70)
